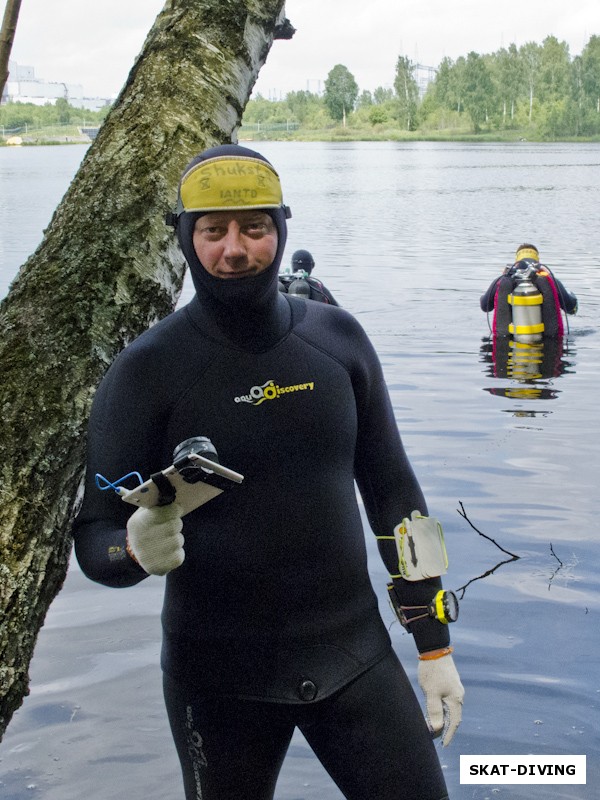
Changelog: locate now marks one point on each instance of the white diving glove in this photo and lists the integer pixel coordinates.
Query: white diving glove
(444, 693)
(154, 538)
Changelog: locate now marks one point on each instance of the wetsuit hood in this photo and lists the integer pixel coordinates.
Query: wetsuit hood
(246, 294)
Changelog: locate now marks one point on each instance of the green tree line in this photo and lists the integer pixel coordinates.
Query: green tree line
(536, 88)
(21, 116)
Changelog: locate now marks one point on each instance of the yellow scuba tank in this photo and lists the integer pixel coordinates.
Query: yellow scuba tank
(526, 305)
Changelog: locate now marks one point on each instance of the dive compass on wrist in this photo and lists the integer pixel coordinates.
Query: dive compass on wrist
(443, 607)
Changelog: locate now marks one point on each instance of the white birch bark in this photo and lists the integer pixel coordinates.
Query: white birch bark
(107, 268)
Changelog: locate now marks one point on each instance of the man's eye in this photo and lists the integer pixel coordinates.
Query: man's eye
(256, 228)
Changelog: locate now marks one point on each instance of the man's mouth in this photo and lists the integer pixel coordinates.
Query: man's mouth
(238, 273)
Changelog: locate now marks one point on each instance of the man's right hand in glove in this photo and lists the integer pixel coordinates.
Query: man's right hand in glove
(154, 538)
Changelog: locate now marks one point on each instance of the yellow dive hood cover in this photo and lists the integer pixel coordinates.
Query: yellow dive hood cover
(230, 183)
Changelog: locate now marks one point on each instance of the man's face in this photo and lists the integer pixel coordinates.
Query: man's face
(235, 244)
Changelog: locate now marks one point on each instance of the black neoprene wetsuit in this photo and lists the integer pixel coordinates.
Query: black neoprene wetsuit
(273, 601)
(274, 587)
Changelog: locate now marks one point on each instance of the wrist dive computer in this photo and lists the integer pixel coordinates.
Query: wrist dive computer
(443, 607)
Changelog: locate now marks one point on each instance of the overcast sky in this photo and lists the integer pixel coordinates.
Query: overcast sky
(95, 43)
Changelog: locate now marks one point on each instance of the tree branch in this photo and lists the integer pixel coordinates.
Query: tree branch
(463, 514)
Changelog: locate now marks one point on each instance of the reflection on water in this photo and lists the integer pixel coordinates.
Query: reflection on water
(407, 237)
(530, 367)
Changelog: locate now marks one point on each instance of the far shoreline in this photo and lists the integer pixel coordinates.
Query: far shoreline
(342, 135)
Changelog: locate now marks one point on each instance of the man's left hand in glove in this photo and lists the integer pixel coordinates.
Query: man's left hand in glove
(444, 693)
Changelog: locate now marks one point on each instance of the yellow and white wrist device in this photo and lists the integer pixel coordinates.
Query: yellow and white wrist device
(443, 607)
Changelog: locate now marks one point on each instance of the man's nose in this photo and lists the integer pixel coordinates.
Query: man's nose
(233, 244)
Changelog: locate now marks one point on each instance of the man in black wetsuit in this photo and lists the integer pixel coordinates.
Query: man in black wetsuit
(270, 621)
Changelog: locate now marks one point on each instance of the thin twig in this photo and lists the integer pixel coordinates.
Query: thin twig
(555, 556)
(463, 514)
(484, 575)
(557, 570)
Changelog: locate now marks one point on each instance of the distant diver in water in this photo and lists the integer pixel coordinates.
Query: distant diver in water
(299, 281)
(527, 299)
(527, 342)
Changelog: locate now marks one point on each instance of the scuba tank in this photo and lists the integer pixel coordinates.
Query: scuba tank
(526, 303)
(299, 285)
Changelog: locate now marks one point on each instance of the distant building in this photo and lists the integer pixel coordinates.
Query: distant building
(23, 87)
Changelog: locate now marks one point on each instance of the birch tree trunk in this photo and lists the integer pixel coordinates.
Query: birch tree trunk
(108, 267)
(7, 35)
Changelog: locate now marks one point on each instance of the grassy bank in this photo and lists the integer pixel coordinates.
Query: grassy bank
(49, 134)
(382, 134)
(57, 135)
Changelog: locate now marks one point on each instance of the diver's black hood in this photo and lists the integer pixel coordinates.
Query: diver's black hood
(251, 294)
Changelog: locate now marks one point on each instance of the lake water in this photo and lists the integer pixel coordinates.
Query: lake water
(407, 237)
